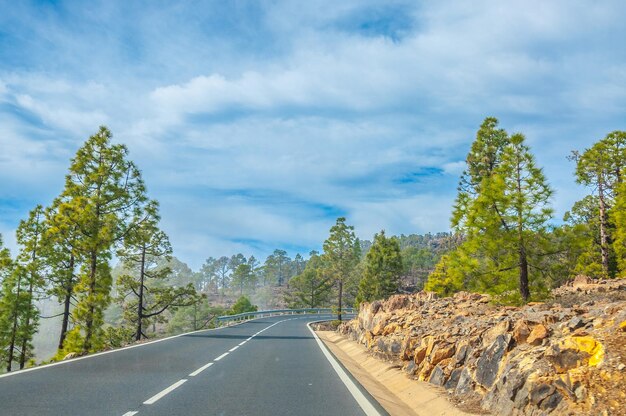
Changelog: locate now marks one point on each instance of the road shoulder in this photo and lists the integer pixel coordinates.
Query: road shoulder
(398, 394)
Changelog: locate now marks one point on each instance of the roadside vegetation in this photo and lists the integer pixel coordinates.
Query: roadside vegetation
(97, 257)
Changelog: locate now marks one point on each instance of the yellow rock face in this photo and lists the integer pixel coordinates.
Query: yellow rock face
(585, 344)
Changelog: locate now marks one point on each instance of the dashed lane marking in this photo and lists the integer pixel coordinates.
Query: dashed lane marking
(201, 369)
(164, 392)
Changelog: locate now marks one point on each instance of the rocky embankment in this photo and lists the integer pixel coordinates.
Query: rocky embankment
(566, 356)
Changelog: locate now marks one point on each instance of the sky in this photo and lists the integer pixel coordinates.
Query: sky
(257, 123)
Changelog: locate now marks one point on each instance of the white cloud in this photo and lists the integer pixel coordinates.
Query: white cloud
(250, 134)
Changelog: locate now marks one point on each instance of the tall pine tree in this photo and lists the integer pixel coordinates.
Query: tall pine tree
(106, 189)
(383, 269)
(341, 255)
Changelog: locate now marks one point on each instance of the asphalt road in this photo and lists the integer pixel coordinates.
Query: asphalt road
(269, 366)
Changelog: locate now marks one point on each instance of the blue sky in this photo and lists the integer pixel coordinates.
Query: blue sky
(257, 123)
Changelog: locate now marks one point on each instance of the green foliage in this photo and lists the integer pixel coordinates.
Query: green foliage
(618, 217)
(601, 168)
(143, 292)
(200, 315)
(341, 255)
(277, 267)
(116, 337)
(242, 305)
(23, 278)
(312, 287)
(383, 269)
(104, 191)
(502, 210)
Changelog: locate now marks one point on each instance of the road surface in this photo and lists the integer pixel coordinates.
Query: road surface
(269, 366)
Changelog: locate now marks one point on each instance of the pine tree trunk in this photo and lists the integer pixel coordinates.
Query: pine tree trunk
(14, 330)
(140, 300)
(68, 303)
(26, 325)
(523, 275)
(92, 306)
(604, 245)
(340, 299)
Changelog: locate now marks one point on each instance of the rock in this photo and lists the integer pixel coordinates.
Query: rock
(420, 354)
(581, 281)
(410, 368)
(453, 380)
(461, 353)
(575, 323)
(442, 352)
(537, 359)
(541, 392)
(492, 333)
(465, 384)
(437, 376)
(521, 331)
(488, 364)
(537, 335)
(572, 352)
(551, 401)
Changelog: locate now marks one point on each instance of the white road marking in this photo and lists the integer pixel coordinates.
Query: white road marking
(360, 398)
(131, 413)
(159, 395)
(221, 356)
(201, 369)
(243, 342)
(233, 348)
(143, 344)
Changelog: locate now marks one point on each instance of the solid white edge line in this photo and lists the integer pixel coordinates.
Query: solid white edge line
(162, 393)
(201, 369)
(221, 356)
(131, 413)
(360, 398)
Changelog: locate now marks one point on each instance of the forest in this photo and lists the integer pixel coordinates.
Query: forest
(97, 257)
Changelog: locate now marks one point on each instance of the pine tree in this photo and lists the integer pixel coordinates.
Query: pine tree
(311, 288)
(383, 269)
(601, 168)
(341, 255)
(31, 263)
(23, 279)
(63, 257)
(502, 211)
(106, 190)
(145, 249)
(10, 298)
(242, 276)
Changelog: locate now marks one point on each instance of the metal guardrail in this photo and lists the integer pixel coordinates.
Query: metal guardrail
(260, 314)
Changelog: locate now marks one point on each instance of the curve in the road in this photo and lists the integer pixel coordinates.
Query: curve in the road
(280, 369)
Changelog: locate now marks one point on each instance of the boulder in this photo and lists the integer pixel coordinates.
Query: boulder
(521, 331)
(441, 352)
(437, 376)
(537, 335)
(495, 331)
(489, 362)
(574, 351)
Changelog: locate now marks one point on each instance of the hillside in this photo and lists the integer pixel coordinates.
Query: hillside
(564, 356)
